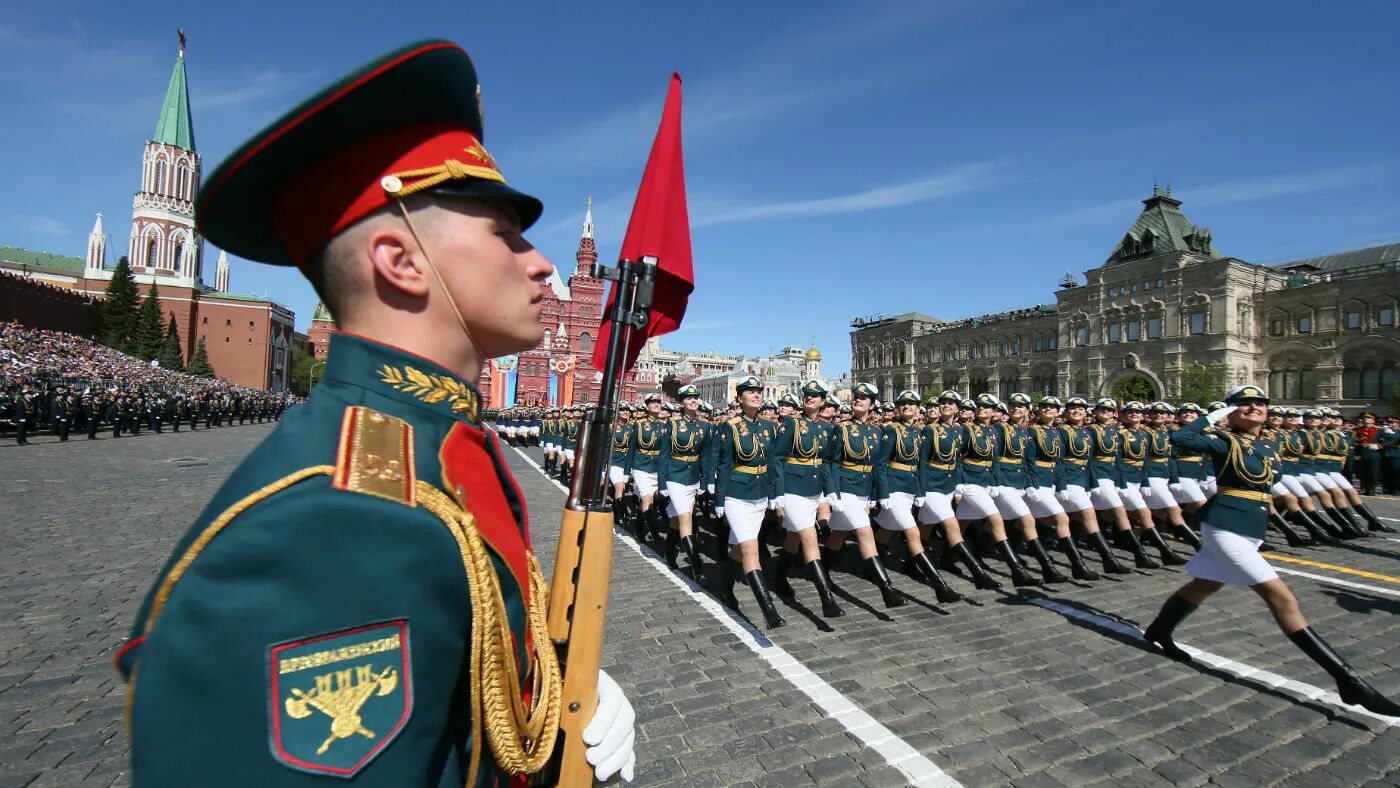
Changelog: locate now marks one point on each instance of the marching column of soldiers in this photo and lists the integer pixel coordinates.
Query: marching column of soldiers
(66, 409)
(781, 487)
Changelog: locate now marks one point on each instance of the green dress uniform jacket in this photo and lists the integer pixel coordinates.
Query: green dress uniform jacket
(1104, 450)
(1188, 464)
(897, 462)
(1045, 452)
(939, 448)
(851, 459)
(570, 436)
(1159, 463)
(1290, 451)
(622, 436)
(798, 448)
(1132, 455)
(318, 621)
(980, 447)
(686, 457)
(1244, 477)
(648, 438)
(1074, 464)
(1313, 448)
(743, 457)
(1010, 467)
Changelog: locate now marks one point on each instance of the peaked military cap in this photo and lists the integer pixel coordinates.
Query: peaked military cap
(845, 408)
(1051, 402)
(866, 390)
(671, 407)
(409, 121)
(949, 395)
(1240, 394)
(987, 401)
(1160, 407)
(790, 400)
(1131, 406)
(1106, 403)
(688, 390)
(768, 404)
(652, 397)
(833, 401)
(624, 406)
(887, 407)
(906, 397)
(967, 404)
(706, 407)
(1019, 398)
(1216, 405)
(1191, 407)
(748, 384)
(1312, 413)
(1290, 412)
(813, 388)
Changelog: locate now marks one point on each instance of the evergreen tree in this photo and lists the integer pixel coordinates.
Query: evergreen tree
(199, 362)
(170, 356)
(149, 335)
(118, 312)
(1203, 385)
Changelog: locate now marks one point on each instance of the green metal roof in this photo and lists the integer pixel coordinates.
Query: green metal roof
(12, 257)
(1162, 228)
(175, 127)
(321, 313)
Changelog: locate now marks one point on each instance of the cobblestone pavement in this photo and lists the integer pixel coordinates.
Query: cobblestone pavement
(1036, 688)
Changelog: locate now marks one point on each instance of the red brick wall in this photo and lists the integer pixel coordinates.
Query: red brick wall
(48, 307)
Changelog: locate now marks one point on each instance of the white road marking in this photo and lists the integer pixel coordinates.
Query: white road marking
(1238, 669)
(1337, 582)
(920, 771)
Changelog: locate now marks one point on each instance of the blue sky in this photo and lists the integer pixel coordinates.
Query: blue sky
(843, 159)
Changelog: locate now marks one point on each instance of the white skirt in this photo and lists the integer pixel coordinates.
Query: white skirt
(1075, 498)
(850, 513)
(1105, 495)
(899, 515)
(1010, 503)
(682, 498)
(1318, 482)
(547, 446)
(1209, 486)
(799, 511)
(569, 454)
(1189, 491)
(1226, 557)
(745, 518)
(1159, 494)
(976, 503)
(1342, 481)
(937, 508)
(1294, 485)
(1132, 497)
(616, 474)
(645, 482)
(1043, 503)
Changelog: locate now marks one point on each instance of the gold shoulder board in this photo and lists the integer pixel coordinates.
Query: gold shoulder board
(375, 456)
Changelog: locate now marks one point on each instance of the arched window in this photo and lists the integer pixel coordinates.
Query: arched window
(179, 255)
(159, 185)
(151, 253)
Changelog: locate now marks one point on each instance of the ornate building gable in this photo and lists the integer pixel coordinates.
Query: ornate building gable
(1162, 228)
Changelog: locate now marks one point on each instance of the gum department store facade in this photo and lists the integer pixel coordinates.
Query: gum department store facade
(1317, 330)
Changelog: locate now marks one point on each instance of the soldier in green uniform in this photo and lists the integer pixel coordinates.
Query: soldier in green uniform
(1390, 461)
(360, 599)
(687, 463)
(1232, 529)
(623, 503)
(650, 432)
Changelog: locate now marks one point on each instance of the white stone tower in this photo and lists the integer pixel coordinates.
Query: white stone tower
(96, 251)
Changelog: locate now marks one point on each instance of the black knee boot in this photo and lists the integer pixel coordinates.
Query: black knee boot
(875, 572)
(1188, 535)
(726, 584)
(1345, 530)
(822, 581)
(1350, 685)
(980, 578)
(923, 565)
(1372, 522)
(1048, 572)
(765, 602)
(779, 574)
(1331, 522)
(1291, 536)
(673, 547)
(1106, 556)
(1308, 520)
(692, 553)
(660, 521)
(1019, 577)
(1169, 558)
(1128, 540)
(1159, 632)
(1357, 529)
(1076, 561)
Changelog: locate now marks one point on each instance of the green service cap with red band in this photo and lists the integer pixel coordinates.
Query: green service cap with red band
(408, 122)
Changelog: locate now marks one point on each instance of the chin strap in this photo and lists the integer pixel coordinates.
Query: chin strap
(452, 302)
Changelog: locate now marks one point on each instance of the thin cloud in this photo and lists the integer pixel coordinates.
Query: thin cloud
(265, 85)
(949, 183)
(44, 225)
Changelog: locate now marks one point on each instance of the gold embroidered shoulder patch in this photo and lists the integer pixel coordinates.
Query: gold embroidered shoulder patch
(375, 456)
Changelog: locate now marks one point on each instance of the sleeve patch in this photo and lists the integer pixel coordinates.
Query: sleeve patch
(336, 701)
(375, 456)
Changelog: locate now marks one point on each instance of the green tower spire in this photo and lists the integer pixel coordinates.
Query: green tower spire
(175, 127)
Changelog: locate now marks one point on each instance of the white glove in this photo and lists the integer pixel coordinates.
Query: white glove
(719, 511)
(919, 501)
(1174, 486)
(611, 733)
(884, 503)
(959, 489)
(711, 489)
(772, 504)
(1215, 416)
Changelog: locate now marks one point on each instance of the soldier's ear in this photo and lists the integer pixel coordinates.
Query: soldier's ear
(397, 263)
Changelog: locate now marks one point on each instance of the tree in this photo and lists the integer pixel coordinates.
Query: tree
(1133, 387)
(199, 362)
(1203, 385)
(170, 356)
(307, 371)
(118, 313)
(149, 336)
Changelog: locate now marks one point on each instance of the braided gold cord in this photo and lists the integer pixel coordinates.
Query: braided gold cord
(450, 170)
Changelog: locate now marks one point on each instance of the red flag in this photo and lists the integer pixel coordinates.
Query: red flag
(659, 227)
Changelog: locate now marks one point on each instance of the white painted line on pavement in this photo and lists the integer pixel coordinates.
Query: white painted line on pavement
(920, 771)
(1337, 582)
(1239, 669)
